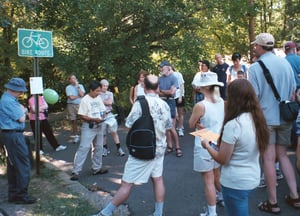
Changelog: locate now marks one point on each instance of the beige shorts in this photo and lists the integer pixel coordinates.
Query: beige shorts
(139, 171)
(281, 135)
(72, 110)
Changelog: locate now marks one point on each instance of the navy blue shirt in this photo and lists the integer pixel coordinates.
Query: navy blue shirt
(220, 70)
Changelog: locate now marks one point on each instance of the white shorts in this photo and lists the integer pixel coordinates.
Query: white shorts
(139, 171)
(203, 162)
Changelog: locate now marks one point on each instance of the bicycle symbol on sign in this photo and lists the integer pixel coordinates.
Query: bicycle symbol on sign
(39, 41)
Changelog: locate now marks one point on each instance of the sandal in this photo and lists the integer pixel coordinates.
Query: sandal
(169, 150)
(292, 202)
(266, 206)
(178, 152)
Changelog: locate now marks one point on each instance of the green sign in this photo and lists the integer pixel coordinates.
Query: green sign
(34, 43)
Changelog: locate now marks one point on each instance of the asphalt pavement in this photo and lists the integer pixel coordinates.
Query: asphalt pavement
(184, 187)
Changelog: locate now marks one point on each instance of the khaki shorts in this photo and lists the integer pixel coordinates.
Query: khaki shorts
(139, 171)
(72, 110)
(281, 135)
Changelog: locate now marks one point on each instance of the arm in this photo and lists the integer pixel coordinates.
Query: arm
(22, 119)
(198, 112)
(168, 93)
(223, 155)
(131, 95)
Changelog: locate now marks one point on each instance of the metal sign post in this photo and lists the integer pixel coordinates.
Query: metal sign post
(35, 43)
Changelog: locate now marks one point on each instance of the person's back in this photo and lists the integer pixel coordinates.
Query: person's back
(284, 82)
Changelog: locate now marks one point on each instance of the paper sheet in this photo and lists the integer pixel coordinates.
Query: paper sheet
(206, 134)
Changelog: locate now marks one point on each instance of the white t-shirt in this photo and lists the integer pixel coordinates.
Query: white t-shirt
(91, 107)
(180, 80)
(242, 171)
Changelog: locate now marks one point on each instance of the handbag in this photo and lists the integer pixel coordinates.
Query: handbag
(288, 109)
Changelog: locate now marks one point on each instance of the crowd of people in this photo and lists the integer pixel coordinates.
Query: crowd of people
(232, 101)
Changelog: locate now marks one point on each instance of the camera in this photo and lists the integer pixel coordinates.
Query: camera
(91, 124)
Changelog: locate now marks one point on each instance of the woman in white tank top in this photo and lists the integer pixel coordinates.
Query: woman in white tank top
(208, 114)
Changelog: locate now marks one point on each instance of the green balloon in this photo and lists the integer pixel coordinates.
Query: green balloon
(50, 96)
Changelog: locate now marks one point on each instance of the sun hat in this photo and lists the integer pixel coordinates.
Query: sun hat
(16, 84)
(209, 79)
(264, 39)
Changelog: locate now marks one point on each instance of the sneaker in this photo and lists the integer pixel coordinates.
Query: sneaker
(121, 152)
(74, 177)
(42, 152)
(279, 175)
(180, 132)
(219, 198)
(100, 171)
(76, 139)
(100, 214)
(262, 183)
(60, 148)
(105, 152)
(207, 214)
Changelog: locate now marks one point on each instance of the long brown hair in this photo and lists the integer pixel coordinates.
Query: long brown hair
(241, 98)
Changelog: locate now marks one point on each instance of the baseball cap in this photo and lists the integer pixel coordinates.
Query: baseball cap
(289, 45)
(264, 39)
(164, 63)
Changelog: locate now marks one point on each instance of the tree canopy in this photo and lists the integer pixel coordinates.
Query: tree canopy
(114, 39)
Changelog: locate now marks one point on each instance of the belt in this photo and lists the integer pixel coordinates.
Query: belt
(12, 131)
(167, 98)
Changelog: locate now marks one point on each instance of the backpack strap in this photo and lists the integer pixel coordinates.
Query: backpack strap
(144, 104)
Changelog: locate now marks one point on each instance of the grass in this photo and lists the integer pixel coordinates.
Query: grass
(54, 197)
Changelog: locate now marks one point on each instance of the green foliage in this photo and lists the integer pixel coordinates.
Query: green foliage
(114, 39)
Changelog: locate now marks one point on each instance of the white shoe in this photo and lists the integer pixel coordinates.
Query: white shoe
(60, 148)
(121, 152)
(105, 152)
(219, 198)
(76, 139)
(180, 132)
(42, 152)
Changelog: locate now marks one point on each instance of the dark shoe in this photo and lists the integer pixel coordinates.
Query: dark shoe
(266, 206)
(178, 152)
(25, 200)
(74, 177)
(100, 171)
(292, 202)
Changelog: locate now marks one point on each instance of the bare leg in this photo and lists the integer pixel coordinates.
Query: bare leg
(122, 194)
(269, 158)
(287, 170)
(209, 187)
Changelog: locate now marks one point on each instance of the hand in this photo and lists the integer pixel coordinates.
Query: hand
(205, 143)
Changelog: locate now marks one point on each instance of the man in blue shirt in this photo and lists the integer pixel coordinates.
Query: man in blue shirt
(293, 59)
(220, 69)
(12, 124)
(283, 78)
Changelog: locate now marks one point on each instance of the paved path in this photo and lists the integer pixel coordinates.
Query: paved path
(184, 188)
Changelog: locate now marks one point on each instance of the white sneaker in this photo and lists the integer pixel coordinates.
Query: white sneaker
(180, 132)
(105, 152)
(207, 214)
(60, 148)
(76, 139)
(121, 152)
(279, 174)
(219, 198)
(41, 152)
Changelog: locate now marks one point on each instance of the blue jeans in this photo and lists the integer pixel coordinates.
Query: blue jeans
(236, 201)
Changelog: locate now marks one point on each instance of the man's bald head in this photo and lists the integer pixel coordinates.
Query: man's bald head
(151, 82)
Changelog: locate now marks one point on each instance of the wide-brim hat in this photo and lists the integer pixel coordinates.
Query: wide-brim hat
(209, 79)
(16, 84)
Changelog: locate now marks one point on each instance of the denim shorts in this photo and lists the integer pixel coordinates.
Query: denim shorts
(172, 105)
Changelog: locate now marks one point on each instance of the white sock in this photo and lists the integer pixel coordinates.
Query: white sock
(211, 210)
(158, 208)
(108, 210)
